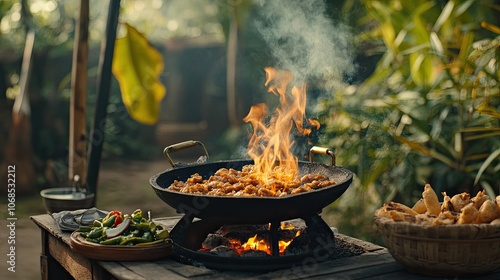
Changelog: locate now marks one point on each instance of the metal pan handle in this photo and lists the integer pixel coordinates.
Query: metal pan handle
(182, 146)
(321, 151)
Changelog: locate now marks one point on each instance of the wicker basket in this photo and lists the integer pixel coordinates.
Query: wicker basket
(446, 251)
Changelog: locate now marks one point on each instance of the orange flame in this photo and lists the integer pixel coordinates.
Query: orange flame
(256, 244)
(270, 145)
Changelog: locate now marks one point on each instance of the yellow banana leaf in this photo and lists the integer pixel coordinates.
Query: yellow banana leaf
(137, 66)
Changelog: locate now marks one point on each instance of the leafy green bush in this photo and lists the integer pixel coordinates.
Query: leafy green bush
(428, 113)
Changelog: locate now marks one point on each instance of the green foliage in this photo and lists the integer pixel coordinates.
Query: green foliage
(429, 111)
(124, 137)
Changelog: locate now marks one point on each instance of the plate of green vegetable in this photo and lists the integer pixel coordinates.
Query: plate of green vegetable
(123, 237)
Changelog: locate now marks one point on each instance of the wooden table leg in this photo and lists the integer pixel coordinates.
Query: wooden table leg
(49, 267)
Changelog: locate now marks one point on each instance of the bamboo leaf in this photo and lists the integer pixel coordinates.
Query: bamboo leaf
(485, 165)
(388, 34)
(436, 44)
(488, 110)
(421, 69)
(490, 27)
(426, 151)
(444, 16)
(463, 7)
(489, 190)
(465, 47)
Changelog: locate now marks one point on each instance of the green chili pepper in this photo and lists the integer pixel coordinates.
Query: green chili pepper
(151, 243)
(148, 236)
(142, 226)
(136, 232)
(93, 240)
(137, 215)
(84, 229)
(112, 241)
(162, 234)
(97, 223)
(109, 222)
(95, 233)
(133, 240)
(152, 226)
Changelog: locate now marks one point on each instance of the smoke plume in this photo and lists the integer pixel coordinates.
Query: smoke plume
(302, 38)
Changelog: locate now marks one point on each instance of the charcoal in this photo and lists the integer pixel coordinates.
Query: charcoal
(287, 234)
(215, 240)
(297, 223)
(224, 251)
(299, 245)
(248, 229)
(239, 236)
(343, 249)
(254, 254)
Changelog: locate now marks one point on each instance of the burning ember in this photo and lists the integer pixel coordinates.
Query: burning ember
(235, 241)
(271, 144)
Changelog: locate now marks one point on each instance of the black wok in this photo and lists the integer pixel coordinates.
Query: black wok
(251, 210)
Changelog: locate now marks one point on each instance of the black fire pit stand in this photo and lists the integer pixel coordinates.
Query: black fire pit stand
(189, 233)
(275, 247)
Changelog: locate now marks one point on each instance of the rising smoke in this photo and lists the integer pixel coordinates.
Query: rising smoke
(302, 38)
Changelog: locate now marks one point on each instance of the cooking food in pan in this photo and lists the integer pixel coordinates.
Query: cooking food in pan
(251, 209)
(232, 182)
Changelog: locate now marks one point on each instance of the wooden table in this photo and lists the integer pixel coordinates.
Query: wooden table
(59, 261)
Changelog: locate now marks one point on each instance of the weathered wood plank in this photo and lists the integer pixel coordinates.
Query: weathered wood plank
(401, 274)
(119, 271)
(78, 266)
(369, 247)
(50, 225)
(185, 270)
(310, 269)
(100, 273)
(374, 271)
(151, 270)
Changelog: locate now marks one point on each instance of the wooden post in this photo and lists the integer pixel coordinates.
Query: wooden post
(104, 84)
(232, 53)
(77, 162)
(18, 149)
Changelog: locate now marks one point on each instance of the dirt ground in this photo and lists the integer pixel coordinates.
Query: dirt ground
(123, 185)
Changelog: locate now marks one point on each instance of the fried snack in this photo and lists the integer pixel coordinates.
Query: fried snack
(401, 208)
(440, 221)
(383, 212)
(447, 205)
(460, 200)
(468, 215)
(431, 200)
(398, 216)
(419, 206)
(459, 209)
(424, 219)
(480, 198)
(488, 212)
(449, 215)
(497, 202)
